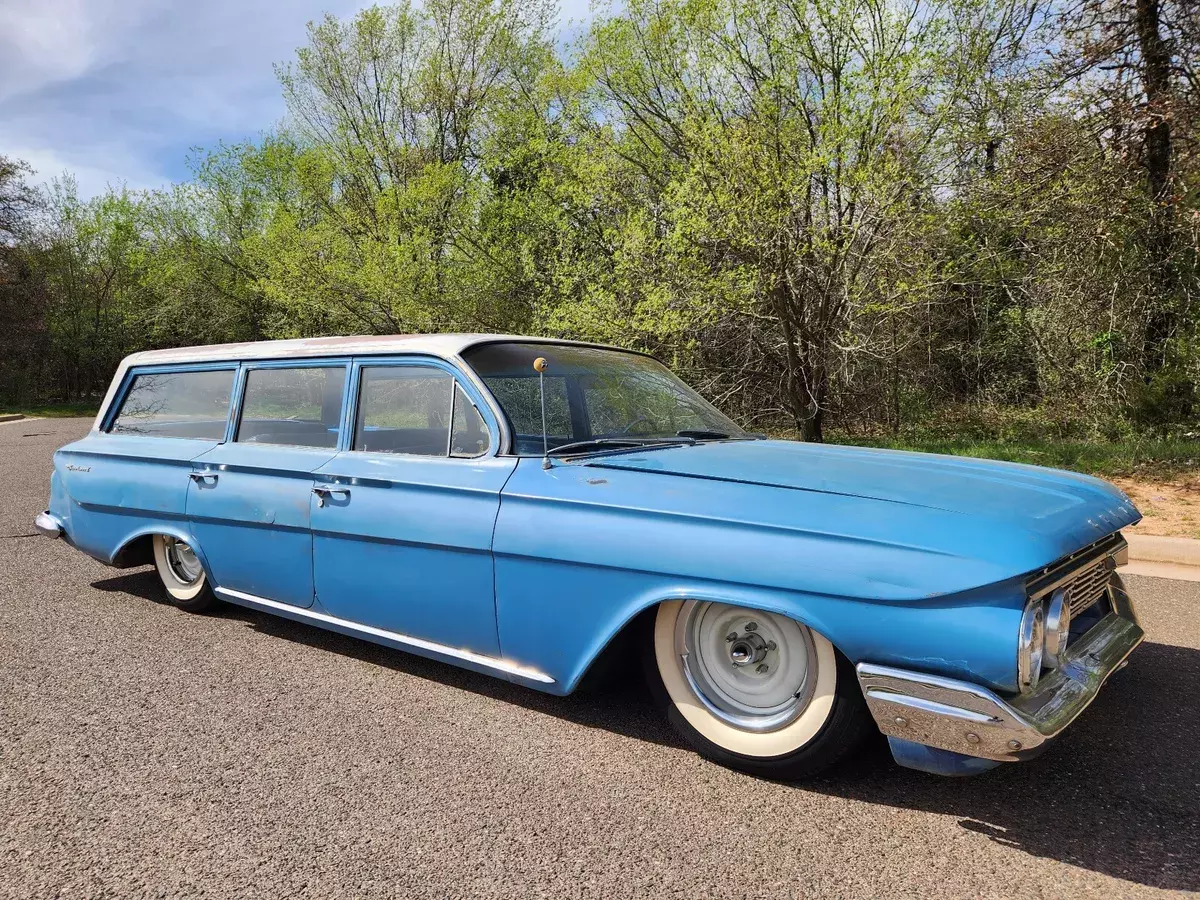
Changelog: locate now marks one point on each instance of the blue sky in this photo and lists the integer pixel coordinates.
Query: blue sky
(120, 91)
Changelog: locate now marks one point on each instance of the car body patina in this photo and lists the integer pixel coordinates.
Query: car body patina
(517, 506)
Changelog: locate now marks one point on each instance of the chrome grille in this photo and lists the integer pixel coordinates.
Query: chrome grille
(1084, 575)
(1088, 585)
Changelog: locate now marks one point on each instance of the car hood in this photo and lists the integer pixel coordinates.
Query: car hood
(1064, 510)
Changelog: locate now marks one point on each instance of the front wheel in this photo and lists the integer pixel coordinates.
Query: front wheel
(754, 690)
(182, 574)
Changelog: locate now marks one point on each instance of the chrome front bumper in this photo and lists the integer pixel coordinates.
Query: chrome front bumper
(48, 524)
(971, 720)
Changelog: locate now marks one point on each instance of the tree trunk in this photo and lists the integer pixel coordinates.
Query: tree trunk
(1156, 83)
(809, 391)
(810, 427)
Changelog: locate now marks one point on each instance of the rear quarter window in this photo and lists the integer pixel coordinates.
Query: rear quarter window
(176, 404)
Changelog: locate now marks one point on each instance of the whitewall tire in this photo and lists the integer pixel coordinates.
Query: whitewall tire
(182, 574)
(754, 690)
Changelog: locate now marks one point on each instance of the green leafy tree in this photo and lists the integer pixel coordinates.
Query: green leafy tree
(23, 299)
(90, 265)
(773, 158)
(395, 225)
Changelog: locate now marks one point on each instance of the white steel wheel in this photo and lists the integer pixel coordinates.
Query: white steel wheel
(755, 690)
(753, 682)
(182, 573)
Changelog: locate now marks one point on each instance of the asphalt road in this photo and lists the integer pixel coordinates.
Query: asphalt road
(145, 751)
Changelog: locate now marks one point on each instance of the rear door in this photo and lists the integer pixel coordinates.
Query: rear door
(249, 498)
(403, 521)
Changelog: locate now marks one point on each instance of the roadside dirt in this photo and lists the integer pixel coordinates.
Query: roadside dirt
(1171, 508)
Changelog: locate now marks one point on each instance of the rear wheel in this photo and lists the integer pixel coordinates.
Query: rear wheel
(753, 690)
(182, 574)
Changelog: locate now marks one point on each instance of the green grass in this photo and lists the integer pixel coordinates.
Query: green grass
(83, 408)
(1145, 458)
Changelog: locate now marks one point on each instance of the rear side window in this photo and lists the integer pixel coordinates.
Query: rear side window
(176, 404)
(298, 407)
(416, 410)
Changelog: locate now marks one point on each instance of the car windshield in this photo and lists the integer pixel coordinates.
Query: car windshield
(593, 394)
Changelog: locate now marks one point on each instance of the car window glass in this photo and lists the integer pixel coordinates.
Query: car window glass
(299, 407)
(520, 397)
(404, 409)
(469, 436)
(177, 404)
(637, 401)
(592, 392)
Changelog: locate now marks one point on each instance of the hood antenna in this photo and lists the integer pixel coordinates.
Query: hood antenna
(539, 366)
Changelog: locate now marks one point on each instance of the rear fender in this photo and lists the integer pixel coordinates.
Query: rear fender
(110, 489)
(136, 548)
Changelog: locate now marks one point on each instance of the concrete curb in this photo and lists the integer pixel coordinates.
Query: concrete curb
(1174, 550)
(11, 417)
(1162, 570)
(1163, 557)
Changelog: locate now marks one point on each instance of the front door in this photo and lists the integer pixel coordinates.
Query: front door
(249, 499)
(402, 520)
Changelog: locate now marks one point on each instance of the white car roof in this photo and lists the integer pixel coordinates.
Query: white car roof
(444, 346)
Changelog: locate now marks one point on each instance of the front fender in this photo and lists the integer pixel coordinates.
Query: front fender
(567, 615)
(579, 552)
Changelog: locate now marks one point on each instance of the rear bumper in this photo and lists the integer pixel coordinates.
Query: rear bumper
(48, 524)
(971, 720)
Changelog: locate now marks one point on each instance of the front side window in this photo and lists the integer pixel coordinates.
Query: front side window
(298, 407)
(416, 410)
(593, 394)
(176, 404)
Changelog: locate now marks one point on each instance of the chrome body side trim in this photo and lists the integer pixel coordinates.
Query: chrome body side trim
(966, 718)
(48, 524)
(401, 641)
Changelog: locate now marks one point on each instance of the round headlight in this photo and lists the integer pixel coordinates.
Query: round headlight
(1030, 647)
(1058, 628)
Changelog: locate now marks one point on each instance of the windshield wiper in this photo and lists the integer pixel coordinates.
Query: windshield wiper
(618, 443)
(703, 434)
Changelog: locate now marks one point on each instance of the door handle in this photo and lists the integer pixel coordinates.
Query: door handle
(323, 492)
(199, 477)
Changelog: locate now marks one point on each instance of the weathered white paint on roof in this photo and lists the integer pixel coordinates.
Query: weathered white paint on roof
(442, 345)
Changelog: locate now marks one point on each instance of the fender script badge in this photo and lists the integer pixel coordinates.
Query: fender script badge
(79, 468)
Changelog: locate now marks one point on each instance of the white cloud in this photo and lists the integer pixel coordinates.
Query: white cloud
(42, 43)
(91, 178)
(118, 91)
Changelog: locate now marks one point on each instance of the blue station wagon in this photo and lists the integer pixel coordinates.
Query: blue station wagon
(515, 505)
